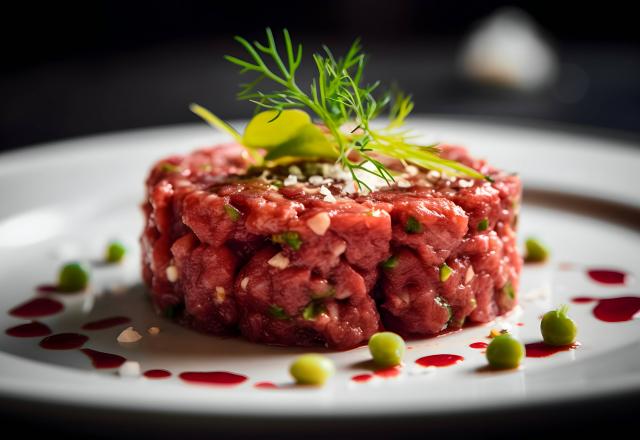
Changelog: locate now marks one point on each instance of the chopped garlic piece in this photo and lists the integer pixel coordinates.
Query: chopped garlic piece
(172, 274)
(129, 369)
(279, 261)
(469, 276)
(129, 335)
(291, 180)
(403, 183)
(153, 331)
(433, 176)
(328, 196)
(244, 283)
(319, 223)
(316, 180)
(411, 170)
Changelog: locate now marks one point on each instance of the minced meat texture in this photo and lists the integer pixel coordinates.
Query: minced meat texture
(248, 260)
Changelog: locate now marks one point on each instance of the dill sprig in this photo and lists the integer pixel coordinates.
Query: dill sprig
(338, 96)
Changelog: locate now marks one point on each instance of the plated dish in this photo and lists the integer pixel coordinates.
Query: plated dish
(394, 257)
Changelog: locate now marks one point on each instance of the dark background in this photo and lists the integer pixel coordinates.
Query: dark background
(98, 66)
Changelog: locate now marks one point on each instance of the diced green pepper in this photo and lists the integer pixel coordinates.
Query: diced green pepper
(413, 226)
(290, 238)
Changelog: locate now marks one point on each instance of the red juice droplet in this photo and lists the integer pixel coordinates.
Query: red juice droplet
(213, 378)
(30, 330)
(47, 288)
(266, 385)
(540, 349)
(157, 374)
(388, 372)
(582, 299)
(64, 341)
(479, 345)
(439, 360)
(617, 309)
(37, 307)
(362, 377)
(106, 323)
(101, 360)
(605, 276)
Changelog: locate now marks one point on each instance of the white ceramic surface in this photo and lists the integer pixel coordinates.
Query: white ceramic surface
(65, 200)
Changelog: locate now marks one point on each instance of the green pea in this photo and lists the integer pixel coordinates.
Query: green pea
(387, 349)
(505, 352)
(73, 277)
(536, 252)
(312, 369)
(115, 252)
(557, 328)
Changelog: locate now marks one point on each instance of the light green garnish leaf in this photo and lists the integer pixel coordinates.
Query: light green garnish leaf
(232, 212)
(272, 128)
(445, 272)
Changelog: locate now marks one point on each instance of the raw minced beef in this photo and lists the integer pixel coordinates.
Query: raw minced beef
(228, 249)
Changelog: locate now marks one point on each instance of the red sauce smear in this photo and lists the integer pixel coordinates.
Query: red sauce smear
(101, 360)
(439, 360)
(157, 374)
(540, 349)
(37, 307)
(47, 288)
(624, 308)
(479, 345)
(362, 377)
(213, 377)
(30, 330)
(266, 385)
(63, 341)
(388, 372)
(607, 276)
(106, 323)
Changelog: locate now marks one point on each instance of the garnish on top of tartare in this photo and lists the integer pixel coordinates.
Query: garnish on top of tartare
(344, 107)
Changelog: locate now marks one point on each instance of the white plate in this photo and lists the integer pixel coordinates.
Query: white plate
(65, 200)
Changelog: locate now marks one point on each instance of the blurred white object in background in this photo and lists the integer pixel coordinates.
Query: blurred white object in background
(508, 49)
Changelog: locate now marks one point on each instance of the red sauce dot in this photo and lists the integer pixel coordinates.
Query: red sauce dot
(388, 372)
(582, 299)
(605, 276)
(540, 349)
(30, 330)
(479, 345)
(106, 323)
(157, 374)
(64, 341)
(439, 360)
(362, 377)
(617, 309)
(520, 324)
(213, 377)
(101, 360)
(47, 288)
(266, 385)
(37, 307)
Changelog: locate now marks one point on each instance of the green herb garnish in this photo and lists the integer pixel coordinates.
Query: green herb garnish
(290, 238)
(232, 212)
(509, 290)
(413, 226)
(390, 263)
(483, 224)
(445, 272)
(336, 96)
(278, 312)
(312, 310)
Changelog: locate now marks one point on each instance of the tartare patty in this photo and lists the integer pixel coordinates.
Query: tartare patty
(295, 256)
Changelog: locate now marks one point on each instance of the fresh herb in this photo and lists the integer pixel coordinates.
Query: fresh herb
(509, 290)
(232, 212)
(390, 263)
(413, 226)
(167, 167)
(313, 309)
(483, 224)
(278, 312)
(337, 95)
(445, 272)
(290, 238)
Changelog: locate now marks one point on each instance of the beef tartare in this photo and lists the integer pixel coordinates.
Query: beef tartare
(293, 256)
